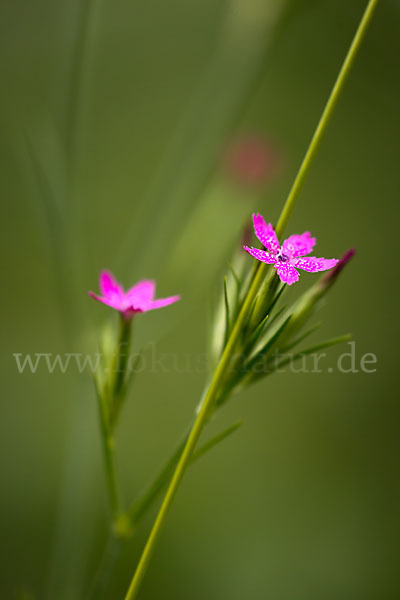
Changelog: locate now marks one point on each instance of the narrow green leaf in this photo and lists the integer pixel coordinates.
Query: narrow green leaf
(235, 293)
(227, 312)
(308, 351)
(247, 325)
(276, 299)
(302, 337)
(215, 440)
(235, 276)
(250, 273)
(260, 329)
(268, 345)
(278, 314)
(140, 507)
(255, 335)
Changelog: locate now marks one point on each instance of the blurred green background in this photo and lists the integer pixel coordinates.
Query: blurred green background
(115, 122)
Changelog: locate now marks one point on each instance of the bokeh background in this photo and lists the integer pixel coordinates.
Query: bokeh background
(140, 137)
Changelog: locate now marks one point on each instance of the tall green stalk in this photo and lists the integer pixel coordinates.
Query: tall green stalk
(107, 437)
(223, 366)
(110, 394)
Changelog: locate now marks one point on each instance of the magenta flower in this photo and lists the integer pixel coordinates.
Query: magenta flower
(292, 254)
(138, 299)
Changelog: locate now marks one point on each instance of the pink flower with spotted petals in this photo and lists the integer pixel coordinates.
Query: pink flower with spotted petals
(138, 299)
(291, 256)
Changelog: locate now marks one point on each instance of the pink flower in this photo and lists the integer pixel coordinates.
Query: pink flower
(139, 298)
(292, 254)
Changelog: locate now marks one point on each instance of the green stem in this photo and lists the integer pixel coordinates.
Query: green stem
(119, 375)
(145, 501)
(122, 354)
(110, 398)
(325, 117)
(109, 458)
(192, 440)
(223, 365)
(101, 580)
(140, 507)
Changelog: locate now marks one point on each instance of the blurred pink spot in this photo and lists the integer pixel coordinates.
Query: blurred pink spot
(252, 160)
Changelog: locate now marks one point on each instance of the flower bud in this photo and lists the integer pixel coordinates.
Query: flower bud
(308, 302)
(332, 275)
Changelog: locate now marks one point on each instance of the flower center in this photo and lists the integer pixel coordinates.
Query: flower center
(281, 257)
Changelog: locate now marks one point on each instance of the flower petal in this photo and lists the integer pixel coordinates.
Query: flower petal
(287, 273)
(265, 234)
(261, 255)
(298, 245)
(161, 302)
(109, 287)
(114, 302)
(313, 264)
(143, 291)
